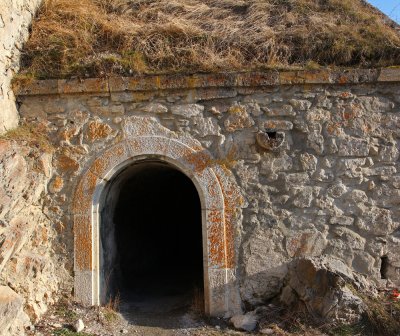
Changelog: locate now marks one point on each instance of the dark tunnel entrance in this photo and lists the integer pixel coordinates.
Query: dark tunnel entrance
(151, 239)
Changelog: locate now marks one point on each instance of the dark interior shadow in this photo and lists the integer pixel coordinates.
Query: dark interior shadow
(156, 248)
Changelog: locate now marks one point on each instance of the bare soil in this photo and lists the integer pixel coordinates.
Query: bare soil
(150, 318)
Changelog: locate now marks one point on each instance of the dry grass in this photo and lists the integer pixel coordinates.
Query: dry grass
(34, 136)
(103, 37)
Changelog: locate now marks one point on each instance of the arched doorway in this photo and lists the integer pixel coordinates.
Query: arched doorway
(220, 213)
(151, 238)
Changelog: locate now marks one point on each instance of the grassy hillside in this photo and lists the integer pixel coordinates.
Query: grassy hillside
(102, 37)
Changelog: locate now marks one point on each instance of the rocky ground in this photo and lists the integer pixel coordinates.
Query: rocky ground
(63, 319)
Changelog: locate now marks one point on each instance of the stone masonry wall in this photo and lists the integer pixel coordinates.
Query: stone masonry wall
(27, 262)
(331, 188)
(15, 18)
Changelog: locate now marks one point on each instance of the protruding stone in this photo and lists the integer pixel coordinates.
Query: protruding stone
(155, 108)
(320, 285)
(187, 110)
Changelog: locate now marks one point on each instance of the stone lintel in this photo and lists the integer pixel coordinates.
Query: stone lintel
(197, 81)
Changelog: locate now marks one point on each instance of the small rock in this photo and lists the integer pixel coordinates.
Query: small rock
(247, 322)
(123, 331)
(79, 326)
(267, 331)
(217, 327)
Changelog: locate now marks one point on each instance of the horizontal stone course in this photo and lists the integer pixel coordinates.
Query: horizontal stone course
(197, 81)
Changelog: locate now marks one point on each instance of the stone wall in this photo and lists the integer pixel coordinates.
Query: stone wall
(15, 18)
(316, 156)
(27, 262)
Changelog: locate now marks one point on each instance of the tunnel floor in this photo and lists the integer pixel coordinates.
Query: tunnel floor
(158, 237)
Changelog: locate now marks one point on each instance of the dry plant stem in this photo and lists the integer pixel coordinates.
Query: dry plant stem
(102, 37)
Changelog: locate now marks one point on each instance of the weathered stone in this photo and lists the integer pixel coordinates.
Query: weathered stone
(303, 197)
(272, 165)
(350, 238)
(305, 243)
(376, 221)
(316, 142)
(265, 266)
(380, 171)
(254, 109)
(363, 262)
(353, 147)
(308, 162)
(237, 119)
(66, 163)
(206, 126)
(337, 190)
(247, 322)
(278, 125)
(155, 108)
(320, 285)
(284, 110)
(11, 305)
(56, 184)
(79, 326)
(341, 220)
(98, 130)
(388, 153)
(318, 115)
(393, 246)
(187, 110)
(300, 104)
(139, 126)
(109, 110)
(296, 179)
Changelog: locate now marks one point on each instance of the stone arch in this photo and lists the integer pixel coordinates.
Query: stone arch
(220, 201)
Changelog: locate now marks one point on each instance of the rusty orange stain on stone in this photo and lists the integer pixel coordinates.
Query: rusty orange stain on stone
(68, 133)
(66, 163)
(333, 128)
(57, 183)
(288, 77)
(216, 239)
(199, 160)
(83, 243)
(345, 94)
(108, 159)
(98, 130)
(82, 201)
(319, 76)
